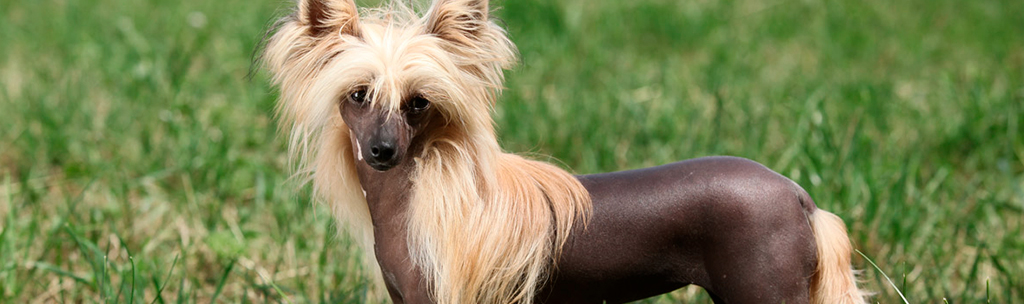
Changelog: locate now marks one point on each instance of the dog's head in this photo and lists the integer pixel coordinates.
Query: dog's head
(395, 79)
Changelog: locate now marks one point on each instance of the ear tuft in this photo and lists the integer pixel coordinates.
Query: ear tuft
(477, 45)
(322, 17)
(459, 21)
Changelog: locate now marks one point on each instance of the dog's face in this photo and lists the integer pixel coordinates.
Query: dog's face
(392, 74)
(398, 81)
(382, 137)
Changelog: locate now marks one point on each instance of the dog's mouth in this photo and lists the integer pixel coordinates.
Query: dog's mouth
(382, 166)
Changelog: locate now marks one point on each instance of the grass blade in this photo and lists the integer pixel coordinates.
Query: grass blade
(81, 279)
(223, 280)
(884, 275)
(160, 287)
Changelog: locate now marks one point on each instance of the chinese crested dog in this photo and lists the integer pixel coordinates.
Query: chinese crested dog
(389, 118)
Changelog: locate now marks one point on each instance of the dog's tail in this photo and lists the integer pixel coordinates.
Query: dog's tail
(833, 281)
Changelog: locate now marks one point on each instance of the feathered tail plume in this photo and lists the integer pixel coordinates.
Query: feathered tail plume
(834, 281)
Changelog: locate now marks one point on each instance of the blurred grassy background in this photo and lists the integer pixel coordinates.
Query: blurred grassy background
(139, 164)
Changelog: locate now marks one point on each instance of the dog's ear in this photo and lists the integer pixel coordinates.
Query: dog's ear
(479, 46)
(322, 17)
(460, 21)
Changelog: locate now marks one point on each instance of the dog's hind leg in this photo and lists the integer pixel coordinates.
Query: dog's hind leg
(759, 286)
(760, 247)
(756, 271)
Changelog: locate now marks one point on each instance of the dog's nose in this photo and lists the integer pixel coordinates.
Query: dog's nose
(382, 152)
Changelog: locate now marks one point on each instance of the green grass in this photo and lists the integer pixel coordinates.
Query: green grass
(138, 164)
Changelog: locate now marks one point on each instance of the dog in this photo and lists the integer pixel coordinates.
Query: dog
(389, 113)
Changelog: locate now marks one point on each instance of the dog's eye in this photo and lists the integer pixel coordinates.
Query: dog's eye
(358, 96)
(419, 104)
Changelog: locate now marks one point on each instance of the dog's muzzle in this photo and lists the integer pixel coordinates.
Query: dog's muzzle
(382, 155)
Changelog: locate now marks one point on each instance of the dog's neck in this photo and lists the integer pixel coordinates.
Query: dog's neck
(387, 194)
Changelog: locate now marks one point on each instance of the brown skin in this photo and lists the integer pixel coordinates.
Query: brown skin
(727, 224)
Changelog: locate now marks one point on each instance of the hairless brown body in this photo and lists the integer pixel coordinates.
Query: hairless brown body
(727, 224)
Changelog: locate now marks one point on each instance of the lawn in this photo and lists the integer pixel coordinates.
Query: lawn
(140, 161)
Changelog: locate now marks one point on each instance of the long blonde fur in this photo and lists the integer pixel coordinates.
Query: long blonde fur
(318, 145)
(484, 226)
(834, 281)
